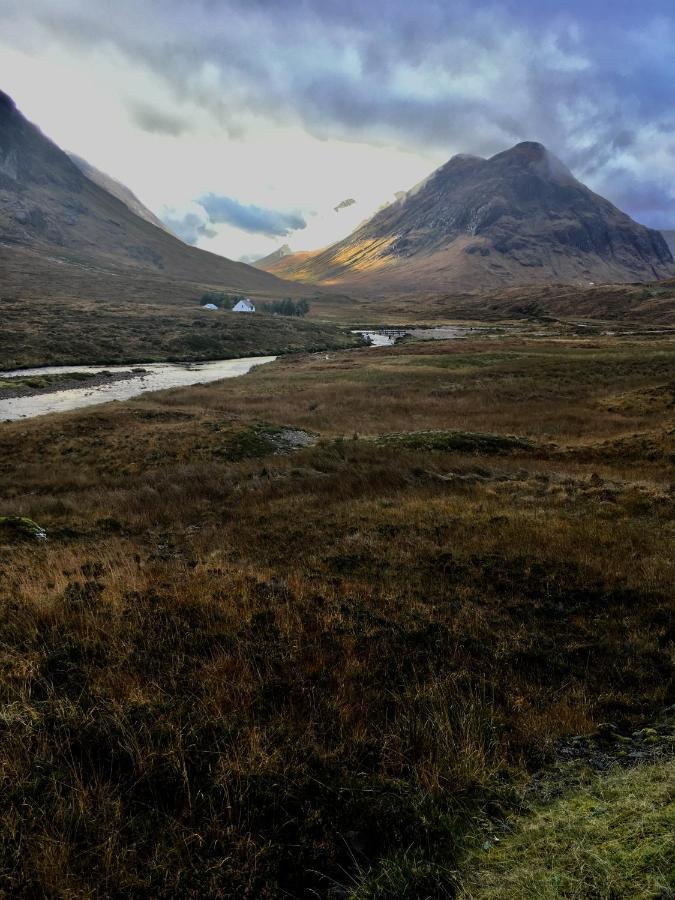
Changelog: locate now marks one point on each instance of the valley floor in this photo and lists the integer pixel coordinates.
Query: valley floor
(58, 312)
(312, 632)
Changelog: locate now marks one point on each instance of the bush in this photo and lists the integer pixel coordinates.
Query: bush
(287, 307)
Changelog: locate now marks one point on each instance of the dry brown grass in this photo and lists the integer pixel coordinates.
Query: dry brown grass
(234, 672)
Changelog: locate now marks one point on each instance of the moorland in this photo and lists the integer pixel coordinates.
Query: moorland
(331, 628)
(56, 311)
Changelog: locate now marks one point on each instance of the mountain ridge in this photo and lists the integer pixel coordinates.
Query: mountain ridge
(49, 205)
(119, 190)
(518, 217)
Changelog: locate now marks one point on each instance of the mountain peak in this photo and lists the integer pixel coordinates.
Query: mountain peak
(518, 217)
(529, 149)
(537, 158)
(273, 257)
(6, 102)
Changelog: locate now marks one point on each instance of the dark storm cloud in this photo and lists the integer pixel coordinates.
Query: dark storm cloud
(648, 200)
(254, 219)
(155, 121)
(593, 80)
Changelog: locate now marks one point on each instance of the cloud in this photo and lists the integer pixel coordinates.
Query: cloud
(254, 219)
(201, 219)
(155, 121)
(593, 81)
(343, 204)
(189, 226)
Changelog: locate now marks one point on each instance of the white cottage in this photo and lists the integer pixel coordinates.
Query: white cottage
(243, 305)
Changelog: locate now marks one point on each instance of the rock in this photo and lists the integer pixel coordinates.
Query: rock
(607, 730)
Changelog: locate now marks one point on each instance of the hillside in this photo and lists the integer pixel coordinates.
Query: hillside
(48, 205)
(669, 237)
(519, 217)
(117, 189)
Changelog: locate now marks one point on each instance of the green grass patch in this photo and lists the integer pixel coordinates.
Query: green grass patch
(13, 528)
(613, 839)
(464, 441)
(42, 382)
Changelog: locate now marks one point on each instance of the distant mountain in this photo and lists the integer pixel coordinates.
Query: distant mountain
(273, 257)
(519, 217)
(55, 207)
(669, 237)
(117, 189)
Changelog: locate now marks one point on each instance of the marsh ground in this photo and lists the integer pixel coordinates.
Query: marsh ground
(247, 665)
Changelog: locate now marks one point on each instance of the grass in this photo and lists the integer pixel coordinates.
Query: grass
(240, 669)
(457, 440)
(119, 328)
(30, 383)
(107, 334)
(612, 839)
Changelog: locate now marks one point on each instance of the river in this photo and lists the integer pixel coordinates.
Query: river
(126, 382)
(154, 377)
(385, 337)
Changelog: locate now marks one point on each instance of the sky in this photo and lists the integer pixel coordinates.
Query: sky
(248, 124)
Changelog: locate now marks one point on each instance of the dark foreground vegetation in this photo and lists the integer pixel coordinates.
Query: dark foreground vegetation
(309, 632)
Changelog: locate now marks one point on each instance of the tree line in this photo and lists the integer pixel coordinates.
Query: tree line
(287, 307)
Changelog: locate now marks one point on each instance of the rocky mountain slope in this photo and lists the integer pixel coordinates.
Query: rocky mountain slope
(117, 189)
(51, 207)
(273, 257)
(519, 217)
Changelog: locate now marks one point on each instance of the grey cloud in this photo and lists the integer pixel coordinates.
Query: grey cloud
(213, 210)
(155, 121)
(343, 204)
(583, 79)
(254, 219)
(649, 201)
(188, 227)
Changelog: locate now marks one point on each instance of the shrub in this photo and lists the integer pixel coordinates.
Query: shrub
(287, 307)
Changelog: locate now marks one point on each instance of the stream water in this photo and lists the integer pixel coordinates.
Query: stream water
(129, 381)
(385, 337)
(154, 377)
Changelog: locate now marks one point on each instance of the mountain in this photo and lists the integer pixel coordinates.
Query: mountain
(518, 217)
(49, 206)
(273, 258)
(669, 237)
(117, 189)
